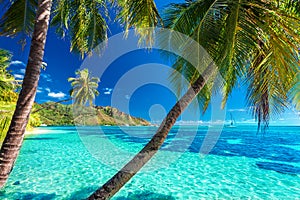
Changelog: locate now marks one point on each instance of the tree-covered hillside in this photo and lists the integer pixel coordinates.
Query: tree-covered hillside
(57, 114)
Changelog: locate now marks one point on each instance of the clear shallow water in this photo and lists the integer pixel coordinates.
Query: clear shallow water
(242, 165)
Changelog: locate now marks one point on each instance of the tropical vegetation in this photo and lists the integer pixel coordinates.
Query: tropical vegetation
(57, 114)
(253, 41)
(84, 88)
(84, 21)
(6, 93)
(8, 96)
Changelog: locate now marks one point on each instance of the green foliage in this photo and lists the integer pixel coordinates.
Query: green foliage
(275, 63)
(4, 123)
(6, 112)
(254, 41)
(34, 121)
(6, 79)
(296, 92)
(84, 87)
(8, 96)
(54, 114)
(85, 20)
(18, 18)
(140, 14)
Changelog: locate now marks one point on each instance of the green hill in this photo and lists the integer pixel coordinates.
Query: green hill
(56, 114)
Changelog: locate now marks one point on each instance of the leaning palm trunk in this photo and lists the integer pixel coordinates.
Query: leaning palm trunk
(112, 186)
(14, 137)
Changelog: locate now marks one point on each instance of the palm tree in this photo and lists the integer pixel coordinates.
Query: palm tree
(14, 137)
(83, 93)
(84, 21)
(253, 40)
(84, 87)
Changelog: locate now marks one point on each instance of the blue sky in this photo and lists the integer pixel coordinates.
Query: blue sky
(145, 102)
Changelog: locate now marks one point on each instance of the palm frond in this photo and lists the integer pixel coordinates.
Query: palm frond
(84, 88)
(296, 92)
(61, 17)
(19, 19)
(256, 41)
(273, 71)
(84, 20)
(141, 15)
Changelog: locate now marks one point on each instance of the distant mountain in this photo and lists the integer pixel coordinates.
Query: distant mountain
(56, 114)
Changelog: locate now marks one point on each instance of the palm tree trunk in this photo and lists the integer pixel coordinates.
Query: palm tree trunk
(14, 137)
(132, 167)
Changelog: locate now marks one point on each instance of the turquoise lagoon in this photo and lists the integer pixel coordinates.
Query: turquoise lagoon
(62, 164)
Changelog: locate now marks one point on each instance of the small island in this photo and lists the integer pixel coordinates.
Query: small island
(57, 114)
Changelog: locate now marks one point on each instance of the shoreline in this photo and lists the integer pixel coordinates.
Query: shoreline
(44, 130)
(36, 131)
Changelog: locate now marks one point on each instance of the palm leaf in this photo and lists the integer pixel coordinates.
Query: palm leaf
(141, 15)
(19, 18)
(84, 20)
(252, 40)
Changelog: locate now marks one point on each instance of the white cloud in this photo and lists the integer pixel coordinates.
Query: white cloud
(127, 97)
(200, 122)
(17, 62)
(47, 77)
(249, 121)
(22, 71)
(107, 91)
(19, 76)
(48, 89)
(39, 91)
(57, 95)
(237, 110)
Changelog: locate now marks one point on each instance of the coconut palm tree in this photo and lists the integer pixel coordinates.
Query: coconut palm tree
(84, 87)
(10, 24)
(84, 21)
(256, 41)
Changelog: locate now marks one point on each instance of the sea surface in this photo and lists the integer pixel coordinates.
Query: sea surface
(66, 163)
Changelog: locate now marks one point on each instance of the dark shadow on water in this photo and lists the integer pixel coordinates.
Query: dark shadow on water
(278, 167)
(83, 193)
(42, 138)
(27, 196)
(274, 148)
(147, 195)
